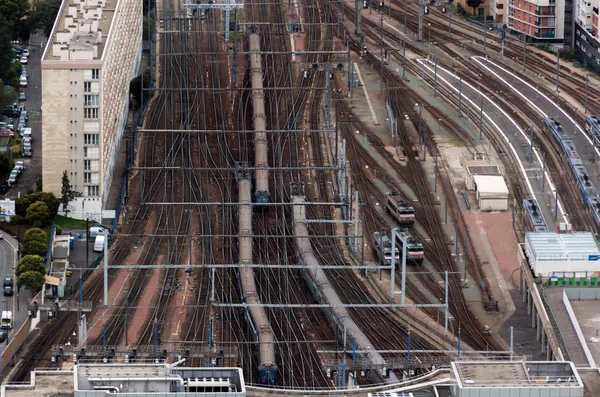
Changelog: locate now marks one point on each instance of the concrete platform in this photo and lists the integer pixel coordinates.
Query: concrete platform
(554, 298)
(588, 317)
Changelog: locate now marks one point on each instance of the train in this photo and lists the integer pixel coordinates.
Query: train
(255, 315)
(397, 205)
(414, 248)
(382, 244)
(592, 126)
(590, 194)
(338, 316)
(262, 196)
(532, 217)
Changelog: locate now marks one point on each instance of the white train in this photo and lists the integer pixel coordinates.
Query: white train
(261, 189)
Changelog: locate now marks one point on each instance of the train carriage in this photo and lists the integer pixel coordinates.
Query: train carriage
(532, 216)
(400, 208)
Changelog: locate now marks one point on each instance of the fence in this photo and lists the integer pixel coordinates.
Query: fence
(572, 282)
(490, 25)
(85, 274)
(49, 255)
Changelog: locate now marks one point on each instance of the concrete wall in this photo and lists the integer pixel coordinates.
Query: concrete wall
(489, 204)
(55, 128)
(121, 64)
(519, 392)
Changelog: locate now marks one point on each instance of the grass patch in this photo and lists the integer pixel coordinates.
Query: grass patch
(69, 223)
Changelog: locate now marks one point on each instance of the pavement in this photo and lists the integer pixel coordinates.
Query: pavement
(554, 298)
(33, 105)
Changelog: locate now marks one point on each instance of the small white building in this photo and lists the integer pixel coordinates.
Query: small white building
(492, 192)
(562, 254)
(516, 378)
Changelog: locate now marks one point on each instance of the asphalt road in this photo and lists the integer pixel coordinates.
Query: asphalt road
(7, 269)
(33, 105)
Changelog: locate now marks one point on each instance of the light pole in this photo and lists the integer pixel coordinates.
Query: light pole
(429, 34)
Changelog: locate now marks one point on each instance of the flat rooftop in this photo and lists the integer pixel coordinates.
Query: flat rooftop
(562, 246)
(79, 27)
(123, 370)
(503, 374)
(588, 317)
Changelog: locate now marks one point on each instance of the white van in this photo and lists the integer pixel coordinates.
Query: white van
(23, 81)
(26, 133)
(99, 244)
(7, 320)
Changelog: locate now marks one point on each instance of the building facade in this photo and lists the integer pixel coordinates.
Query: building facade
(587, 38)
(540, 20)
(92, 55)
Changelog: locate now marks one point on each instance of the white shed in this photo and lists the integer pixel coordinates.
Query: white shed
(492, 192)
(562, 254)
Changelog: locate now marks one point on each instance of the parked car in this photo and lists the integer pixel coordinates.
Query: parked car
(8, 291)
(24, 60)
(4, 189)
(18, 167)
(96, 230)
(3, 335)
(26, 52)
(12, 179)
(20, 164)
(27, 153)
(24, 71)
(24, 113)
(21, 96)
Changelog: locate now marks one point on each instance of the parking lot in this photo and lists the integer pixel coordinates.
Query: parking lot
(33, 105)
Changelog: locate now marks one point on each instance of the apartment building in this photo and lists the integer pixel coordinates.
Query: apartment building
(540, 20)
(93, 53)
(587, 38)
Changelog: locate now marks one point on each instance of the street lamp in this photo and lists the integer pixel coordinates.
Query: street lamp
(429, 33)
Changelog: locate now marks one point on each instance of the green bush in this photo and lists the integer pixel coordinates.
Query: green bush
(36, 234)
(38, 214)
(31, 263)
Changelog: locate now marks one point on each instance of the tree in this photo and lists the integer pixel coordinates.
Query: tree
(474, 4)
(31, 263)
(10, 95)
(36, 234)
(22, 203)
(35, 248)
(13, 10)
(148, 28)
(44, 15)
(135, 87)
(48, 198)
(32, 281)
(6, 165)
(38, 214)
(68, 194)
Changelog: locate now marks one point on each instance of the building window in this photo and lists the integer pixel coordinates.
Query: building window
(87, 86)
(92, 191)
(90, 139)
(95, 74)
(91, 100)
(91, 152)
(90, 113)
(87, 177)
